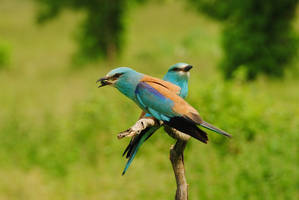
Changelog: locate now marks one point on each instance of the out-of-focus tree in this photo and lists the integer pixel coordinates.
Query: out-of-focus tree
(257, 35)
(101, 32)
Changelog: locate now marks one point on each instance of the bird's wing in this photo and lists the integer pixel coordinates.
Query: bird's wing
(167, 106)
(164, 103)
(170, 86)
(151, 99)
(189, 113)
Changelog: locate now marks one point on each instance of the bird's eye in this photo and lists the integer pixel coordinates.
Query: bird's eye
(117, 75)
(176, 69)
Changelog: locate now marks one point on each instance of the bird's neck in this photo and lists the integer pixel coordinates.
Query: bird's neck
(180, 81)
(184, 88)
(128, 85)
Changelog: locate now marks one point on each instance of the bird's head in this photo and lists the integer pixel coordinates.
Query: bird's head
(181, 69)
(178, 74)
(124, 79)
(116, 75)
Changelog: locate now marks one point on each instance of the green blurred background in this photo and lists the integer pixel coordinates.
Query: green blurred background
(58, 131)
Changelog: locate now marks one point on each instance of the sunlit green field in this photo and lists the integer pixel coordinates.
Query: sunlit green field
(58, 130)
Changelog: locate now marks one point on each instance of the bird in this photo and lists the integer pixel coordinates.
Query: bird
(161, 99)
(177, 74)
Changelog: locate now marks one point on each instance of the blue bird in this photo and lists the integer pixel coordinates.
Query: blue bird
(161, 99)
(177, 74)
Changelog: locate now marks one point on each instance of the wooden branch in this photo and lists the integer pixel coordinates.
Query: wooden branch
(176, 152)
(177, 161)
(139, 126)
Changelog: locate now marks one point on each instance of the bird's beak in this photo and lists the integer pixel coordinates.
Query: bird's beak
(104, 81)
(187, 68)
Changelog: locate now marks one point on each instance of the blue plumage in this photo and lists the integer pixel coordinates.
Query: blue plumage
(160, 99)
(154, 102)
(177, 77)
(125, 84)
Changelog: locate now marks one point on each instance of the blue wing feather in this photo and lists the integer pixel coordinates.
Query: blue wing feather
(154, 102)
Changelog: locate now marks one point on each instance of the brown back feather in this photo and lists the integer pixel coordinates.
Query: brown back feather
(156, 81)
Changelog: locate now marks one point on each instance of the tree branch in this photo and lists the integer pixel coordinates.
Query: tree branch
(176, 152)
(139, 126)
(177, 161)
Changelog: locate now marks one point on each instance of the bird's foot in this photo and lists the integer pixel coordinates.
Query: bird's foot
(139, 126)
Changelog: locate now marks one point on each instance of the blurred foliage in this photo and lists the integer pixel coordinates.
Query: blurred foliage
(101, 32)
(247, 166)
(58, 130)
(257, 35)
(4, 54)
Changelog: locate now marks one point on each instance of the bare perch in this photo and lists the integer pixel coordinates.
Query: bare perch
(176, 152)
(177, 160)
(139, 126)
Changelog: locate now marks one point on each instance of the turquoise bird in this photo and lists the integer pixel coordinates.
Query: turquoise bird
(177, 74)
(160, 99)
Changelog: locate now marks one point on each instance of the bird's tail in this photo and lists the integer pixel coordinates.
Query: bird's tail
(188, 127)
(134, 145)
(213, 128)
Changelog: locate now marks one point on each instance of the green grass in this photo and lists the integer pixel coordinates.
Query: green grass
(58, 131)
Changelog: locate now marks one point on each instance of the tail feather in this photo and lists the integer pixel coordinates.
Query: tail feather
(132, 145)
(188, 127)
(131, 157)
(134, 140)
(215, 129)
(136, 143)
(195, 118)
(129, 146)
